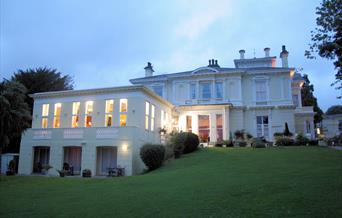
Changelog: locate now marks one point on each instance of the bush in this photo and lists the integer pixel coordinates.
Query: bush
(191, 143)
(228, 143)
(313, 142)
(239, 134)
(184, 143)
(301, 140)
(241, 143)
(219, 144)
(285, 141)
(152, 155)
(86, 173)
(258, 143)
(169, 151)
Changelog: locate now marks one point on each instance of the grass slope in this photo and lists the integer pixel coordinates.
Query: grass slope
(219, 182)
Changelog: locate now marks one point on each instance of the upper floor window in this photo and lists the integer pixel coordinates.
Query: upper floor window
(260, 91)
(205, 90)
(219, 89)
(147, 114)
(295, 100)
(109, 113)
(340, 125)
(57, 115)
(158, 89)
(123, 105)
(75, 114)
(152, 116)
(45, 114)
(192, 91)
(88, 113)
(123, 111)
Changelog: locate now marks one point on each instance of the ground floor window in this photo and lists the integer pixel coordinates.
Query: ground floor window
(307, 127)
(189, 123)
(262, 126)
(106, 159)
(204, 128)
(72, 160)
(41, 157)
(219, 127)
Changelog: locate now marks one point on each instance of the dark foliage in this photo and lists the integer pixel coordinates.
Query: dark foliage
(302, 140)
(308, 99)
(184, 143)
(287, 131)
(285, 141)
(258, 143)
(327, 36)
(335, 109)
(191, 143)
(152, 155)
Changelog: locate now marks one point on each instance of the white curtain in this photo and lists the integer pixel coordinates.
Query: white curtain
(106, 158)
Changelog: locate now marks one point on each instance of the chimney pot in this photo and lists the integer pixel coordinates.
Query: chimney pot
(149, 70)
(242, 54)
(284, 57)
(267, 52)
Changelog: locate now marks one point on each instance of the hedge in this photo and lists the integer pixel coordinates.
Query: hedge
(152, 155)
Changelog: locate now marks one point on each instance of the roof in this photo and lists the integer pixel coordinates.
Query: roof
(209, 71)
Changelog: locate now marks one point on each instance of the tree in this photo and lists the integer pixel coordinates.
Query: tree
(327, 37)
(335, 109)
(14, 112)
(308, 99)
(42, 80)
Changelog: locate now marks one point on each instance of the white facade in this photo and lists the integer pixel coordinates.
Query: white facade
(332, 125)
(104, 128)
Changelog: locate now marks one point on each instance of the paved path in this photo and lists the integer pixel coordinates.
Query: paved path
(337, 147)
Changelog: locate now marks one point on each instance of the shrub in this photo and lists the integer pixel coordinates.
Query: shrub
(249, 136)
(278, 134)
(239, 134)
(285, 141)
(184, 142)
(313, 142)
(228, 143)
(301, 140)
(258, 143)
(169, 151)
(86, 173)
(191, 143)
(219, 144)
(287, 131)
(152, 155)
(241, 143)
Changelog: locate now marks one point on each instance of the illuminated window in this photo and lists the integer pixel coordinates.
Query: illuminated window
(123, 119)
(88, 113)
(152, 117)
(109, 113)
(147, 114)
(45, 114)
(219, 127)
(57, 115)
(189, 123)
(75, 114)
(123, 105)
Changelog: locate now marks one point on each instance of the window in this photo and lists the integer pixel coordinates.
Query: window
(123, 119)
(45, 114)
(204, 128)
(123, 112)
(147, 114)
(219, 90)
(340, 125)
(219, 127)
(307, 127)
(205, 89)
(109, 113)
(75, 114)
(152, 116)
(260, 91)
(158, 90)
(88, 113)
(192, 91)
(57, 115)
(123, 105)
(262, 126)
(189, 123)
(295, 100)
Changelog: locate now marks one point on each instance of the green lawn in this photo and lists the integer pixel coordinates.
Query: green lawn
(218, 182)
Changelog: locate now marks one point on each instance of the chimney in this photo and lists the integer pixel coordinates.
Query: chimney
(148, 70)
(284, 55)
(267, 52)
(242, 54)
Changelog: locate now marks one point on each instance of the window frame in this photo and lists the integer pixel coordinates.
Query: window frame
(45, 116)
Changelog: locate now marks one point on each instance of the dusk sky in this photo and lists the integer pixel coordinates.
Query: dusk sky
(106, 43)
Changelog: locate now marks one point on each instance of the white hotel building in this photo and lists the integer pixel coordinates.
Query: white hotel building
(104, 128)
